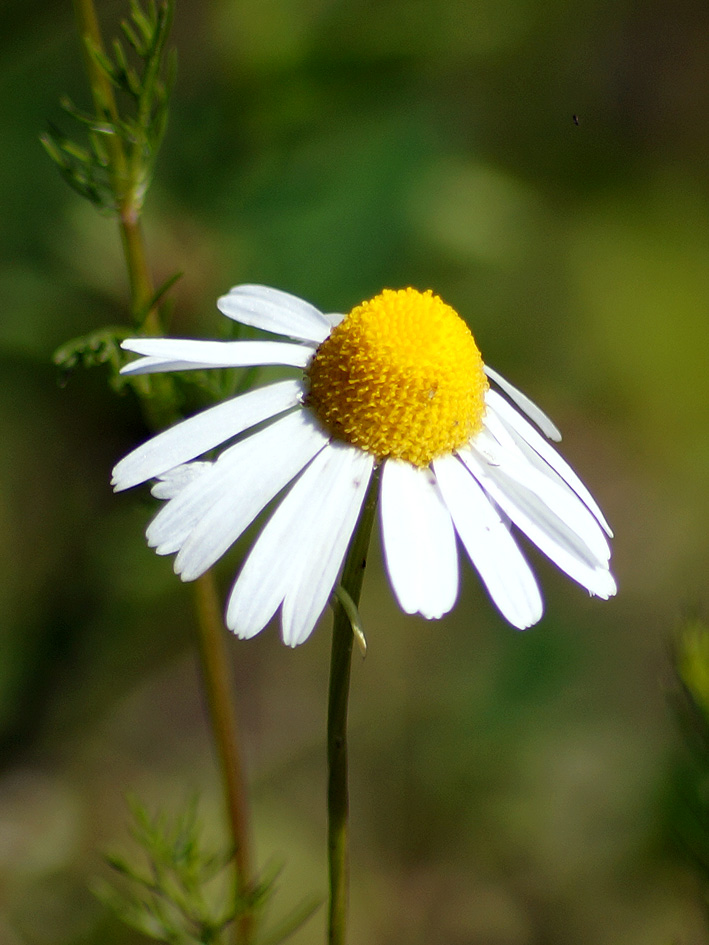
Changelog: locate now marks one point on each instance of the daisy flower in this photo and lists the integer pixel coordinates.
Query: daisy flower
(398, 382)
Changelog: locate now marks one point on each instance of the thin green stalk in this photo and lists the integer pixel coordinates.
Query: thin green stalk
(101, 88)
(338, 698)
(147, 317)
(141, 283)
(125, 190)
(215, 663)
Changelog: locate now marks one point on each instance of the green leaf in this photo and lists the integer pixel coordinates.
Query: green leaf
(162, 291)
(133, 38)
(146, 24)
(119, 176)
(173, 888)
(97, 348)
(352, 612)
(80, 169)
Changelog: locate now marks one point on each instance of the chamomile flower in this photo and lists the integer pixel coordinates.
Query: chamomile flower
(398, 382)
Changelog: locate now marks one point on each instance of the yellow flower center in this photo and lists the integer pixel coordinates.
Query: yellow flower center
(400, 376)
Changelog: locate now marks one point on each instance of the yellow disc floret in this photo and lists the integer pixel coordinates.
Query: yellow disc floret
(400, 376)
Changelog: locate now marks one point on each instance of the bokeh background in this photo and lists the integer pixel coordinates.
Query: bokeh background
(507, 788)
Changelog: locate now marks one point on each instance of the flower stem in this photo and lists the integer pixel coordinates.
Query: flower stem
(159, 406)
(215, 662)
(126, 192)
(340, 663)
(101, 88)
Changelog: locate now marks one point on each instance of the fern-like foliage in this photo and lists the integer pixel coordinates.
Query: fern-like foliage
(113, 165)
(175, 890)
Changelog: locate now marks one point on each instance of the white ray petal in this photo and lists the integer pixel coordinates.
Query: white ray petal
(204, 431)
(327, 539)
(419, 540)
(276, 311)
(172, 482)
(334, 318)
(268, 461)
(524, 434)
(553, 536)
(547, 426)
(510, 463)
(492, 549)
(186, 354)
(273, 564)
(172, 526)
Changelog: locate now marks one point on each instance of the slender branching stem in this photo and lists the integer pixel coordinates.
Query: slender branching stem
(101, 88)
(215, 659)
(142, 291)
(215, 663)
(340, 663)
(127, 192)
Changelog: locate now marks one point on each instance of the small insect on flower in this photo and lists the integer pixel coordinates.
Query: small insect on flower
(397, 383)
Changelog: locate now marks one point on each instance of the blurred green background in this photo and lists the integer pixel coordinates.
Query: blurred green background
(507, 788)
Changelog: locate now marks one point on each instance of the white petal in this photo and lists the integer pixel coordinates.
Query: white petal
(186, 354)
(274, 563)
(524, 434)
(334, 318)
(273, 310)
(172, 482)
(259, 468)
(262, 452)
(541, 480)
(327, 540)
(419, 540)
(492, 550)
(528, 406)
(204, 431)
(553, 536)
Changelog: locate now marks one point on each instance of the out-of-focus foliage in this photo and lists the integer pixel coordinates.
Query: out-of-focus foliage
(170, 894)
(691, 658)
(175, 890)
(507, 789)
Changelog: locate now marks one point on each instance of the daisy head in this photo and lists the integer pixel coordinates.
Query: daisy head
(398, 383)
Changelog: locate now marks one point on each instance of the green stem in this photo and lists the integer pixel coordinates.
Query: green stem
(144, 313)
(125, 190)
(215, 663)
(101, 88)
(159, 406)
(340, 663)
